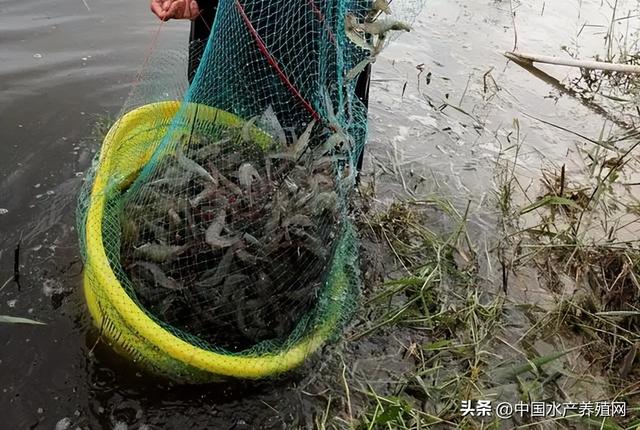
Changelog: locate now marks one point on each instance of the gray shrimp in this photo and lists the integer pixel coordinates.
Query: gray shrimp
(159, 277)
(191, 166)
(247, 174)
(159, 253)
(213, 235)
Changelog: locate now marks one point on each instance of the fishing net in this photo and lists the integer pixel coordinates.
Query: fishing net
(216, 229)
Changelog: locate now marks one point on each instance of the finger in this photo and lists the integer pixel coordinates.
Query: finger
(176, 9)
(156, 8)
(194, 10)
(166, 4)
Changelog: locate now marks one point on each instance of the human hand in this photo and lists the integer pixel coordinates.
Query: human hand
(175, 9)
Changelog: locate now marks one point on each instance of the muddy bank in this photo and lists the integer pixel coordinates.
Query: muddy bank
(443, 103)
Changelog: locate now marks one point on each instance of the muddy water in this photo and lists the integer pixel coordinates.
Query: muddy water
(460, 46)
(445, 99)
(66, 63)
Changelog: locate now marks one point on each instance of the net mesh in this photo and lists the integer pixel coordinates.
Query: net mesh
(225, 218)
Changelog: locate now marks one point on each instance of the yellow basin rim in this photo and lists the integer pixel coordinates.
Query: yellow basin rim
(102, 288)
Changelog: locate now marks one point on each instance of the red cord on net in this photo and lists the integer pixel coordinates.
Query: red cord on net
(318, 13)
(274, 64)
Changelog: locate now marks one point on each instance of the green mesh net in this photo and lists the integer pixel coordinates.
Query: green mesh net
(219, 225)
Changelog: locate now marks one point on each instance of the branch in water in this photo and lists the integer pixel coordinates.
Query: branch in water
(593, 65)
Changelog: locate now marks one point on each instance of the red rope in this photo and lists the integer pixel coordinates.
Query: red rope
(318, 13)
(150, 49)
(272, 61)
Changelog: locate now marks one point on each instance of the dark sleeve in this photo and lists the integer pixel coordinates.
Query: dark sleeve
(200, 30)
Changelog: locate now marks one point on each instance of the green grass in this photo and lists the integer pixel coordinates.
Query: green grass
(451, 334)
(556, 319)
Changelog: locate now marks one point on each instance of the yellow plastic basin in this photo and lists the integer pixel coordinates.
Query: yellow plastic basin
(129, 329)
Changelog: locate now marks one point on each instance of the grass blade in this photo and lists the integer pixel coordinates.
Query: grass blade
(532, 364)
(547, 201)
(18, 320)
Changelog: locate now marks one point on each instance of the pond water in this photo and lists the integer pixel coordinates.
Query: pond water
(65, 64)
